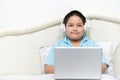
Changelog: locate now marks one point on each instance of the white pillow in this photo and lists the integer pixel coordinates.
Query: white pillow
(109, 50)
(44, 51)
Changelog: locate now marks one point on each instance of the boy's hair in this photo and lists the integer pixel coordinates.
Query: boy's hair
(72, 13)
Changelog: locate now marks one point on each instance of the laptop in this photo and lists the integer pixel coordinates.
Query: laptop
(78, 63)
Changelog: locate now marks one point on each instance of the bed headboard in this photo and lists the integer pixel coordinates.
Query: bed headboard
(19, 48)
(105, 28)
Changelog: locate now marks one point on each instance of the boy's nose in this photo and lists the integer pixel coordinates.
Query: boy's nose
(74, 28)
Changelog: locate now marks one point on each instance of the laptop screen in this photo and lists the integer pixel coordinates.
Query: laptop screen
(78, 62)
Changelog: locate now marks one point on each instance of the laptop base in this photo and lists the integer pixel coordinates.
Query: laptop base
(77, 79)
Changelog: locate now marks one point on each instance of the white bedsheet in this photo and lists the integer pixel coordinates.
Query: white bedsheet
(27, 77)
(43, 77)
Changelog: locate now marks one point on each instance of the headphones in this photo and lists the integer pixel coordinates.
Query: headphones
(86, 25)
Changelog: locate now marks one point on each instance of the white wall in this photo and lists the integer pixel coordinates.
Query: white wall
(18, 14)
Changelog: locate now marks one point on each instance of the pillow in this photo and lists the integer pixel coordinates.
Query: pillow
(109, 50)
(44, 51)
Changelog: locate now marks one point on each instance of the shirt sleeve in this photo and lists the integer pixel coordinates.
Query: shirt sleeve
(50, 58)
(104, 60)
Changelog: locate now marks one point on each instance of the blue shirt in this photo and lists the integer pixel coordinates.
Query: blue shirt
(65, 42)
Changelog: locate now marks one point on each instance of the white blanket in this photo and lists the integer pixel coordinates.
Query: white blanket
(43, 77)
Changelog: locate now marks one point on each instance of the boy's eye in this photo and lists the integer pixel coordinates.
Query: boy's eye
(79, 25)
(71, 25)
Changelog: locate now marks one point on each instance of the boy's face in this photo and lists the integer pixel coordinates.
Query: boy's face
(75, 28)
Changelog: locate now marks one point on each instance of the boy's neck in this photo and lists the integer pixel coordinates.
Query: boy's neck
(75, 43)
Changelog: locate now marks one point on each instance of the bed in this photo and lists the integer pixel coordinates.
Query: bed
(23, 51)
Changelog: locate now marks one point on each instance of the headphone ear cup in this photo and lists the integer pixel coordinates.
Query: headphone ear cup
(86, 24)
(85, 27)
(62, 27)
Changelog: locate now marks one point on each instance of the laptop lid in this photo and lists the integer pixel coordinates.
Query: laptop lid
(77, 62)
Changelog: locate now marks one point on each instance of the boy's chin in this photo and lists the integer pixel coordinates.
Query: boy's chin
(75, 39)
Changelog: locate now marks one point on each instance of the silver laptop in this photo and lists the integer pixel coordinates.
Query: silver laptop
(78, 63)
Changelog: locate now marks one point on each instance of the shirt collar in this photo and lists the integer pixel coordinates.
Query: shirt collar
(84, 39)
(67, 41)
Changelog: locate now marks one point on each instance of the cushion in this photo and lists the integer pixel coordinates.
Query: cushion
(108, 50)
(44, 51)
